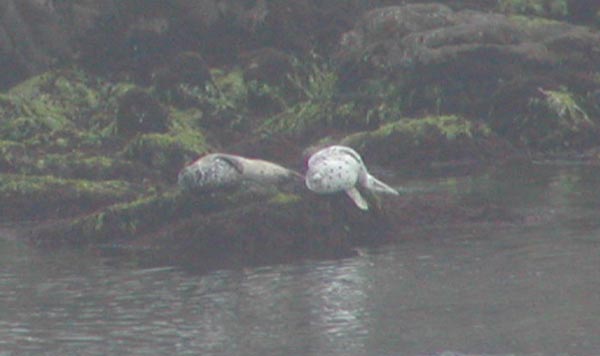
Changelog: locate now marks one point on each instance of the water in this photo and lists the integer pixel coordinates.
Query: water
(527, 289)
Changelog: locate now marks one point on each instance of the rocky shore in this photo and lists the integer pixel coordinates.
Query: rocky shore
(100, 112)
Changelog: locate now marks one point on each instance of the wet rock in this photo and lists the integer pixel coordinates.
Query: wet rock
(247, 222)
(43, 197)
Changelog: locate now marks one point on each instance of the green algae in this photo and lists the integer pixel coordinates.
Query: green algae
(185, 128)
(26, 197)
(163, 152)
(79, 165)
(533, 22)
(450, 127)
(126, 219)
(555, 119)
(50, 105)
(547, 8)
(150, 213)
(11, 154)
(566, 108)
(423, 140)
(281, 198)
(316, 107)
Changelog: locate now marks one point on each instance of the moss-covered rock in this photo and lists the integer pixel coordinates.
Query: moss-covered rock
(546, 8)
(452, 62)
(11, 155)
(547, 119)
(152, 213)
(315, 109)
(78, 165)
(167, 153)
(37, 197)
(139, 112)
(58, 111)
(185, 68)
(245, 224)
(422, 141)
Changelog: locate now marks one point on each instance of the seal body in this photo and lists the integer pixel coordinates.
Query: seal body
(340, 168)
(220, 170)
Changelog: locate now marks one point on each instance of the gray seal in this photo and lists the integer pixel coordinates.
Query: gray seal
(220, 170)
(340, 168)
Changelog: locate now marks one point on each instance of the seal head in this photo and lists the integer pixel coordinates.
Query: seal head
(220, 170)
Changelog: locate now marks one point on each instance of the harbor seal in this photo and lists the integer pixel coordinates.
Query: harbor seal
(340, 168)
(220, 170)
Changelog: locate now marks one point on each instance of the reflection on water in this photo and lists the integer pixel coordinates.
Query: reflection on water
(524, 290)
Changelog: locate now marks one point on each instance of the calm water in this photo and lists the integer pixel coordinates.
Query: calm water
(496, 290)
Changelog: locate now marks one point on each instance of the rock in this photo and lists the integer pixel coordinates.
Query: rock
(185, 68)
(267, 65)
(429, 140)
(586, 11)
(139, 112)
(44, 197)
(36, 34)
(11, 154)
(454, 62)
(418, 35)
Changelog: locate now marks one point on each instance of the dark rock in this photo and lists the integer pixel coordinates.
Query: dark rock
(36, 34)
(414, 37)
(185, 68)
(163, 153)
(30, 39)
(449, 61)
(249, 224)
(45, 197)
(139, 112)
(584, 11)
(267, 65)
(428, 141)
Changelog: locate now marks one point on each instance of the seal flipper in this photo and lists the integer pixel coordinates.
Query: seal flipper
(233, 161)
(376, 185)
(357, 198)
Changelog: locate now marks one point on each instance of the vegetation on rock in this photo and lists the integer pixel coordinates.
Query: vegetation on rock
(548, 8)
(101, 142)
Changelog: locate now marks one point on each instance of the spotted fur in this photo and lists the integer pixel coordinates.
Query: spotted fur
(219, 170)
(340, 168)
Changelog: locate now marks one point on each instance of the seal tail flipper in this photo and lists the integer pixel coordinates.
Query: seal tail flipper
(376, 185)
(357, 198)
(295, 175)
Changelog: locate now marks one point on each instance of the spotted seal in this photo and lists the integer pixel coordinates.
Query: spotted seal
(221, 170)
(340, 168)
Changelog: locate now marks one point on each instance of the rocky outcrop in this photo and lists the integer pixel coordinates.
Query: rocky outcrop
(36, 34)
(467, 62)
(99, 144)
(430, 35)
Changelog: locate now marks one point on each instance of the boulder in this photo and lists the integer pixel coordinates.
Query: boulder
(465, 62)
